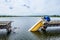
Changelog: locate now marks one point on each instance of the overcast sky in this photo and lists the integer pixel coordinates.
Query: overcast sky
(29, 7)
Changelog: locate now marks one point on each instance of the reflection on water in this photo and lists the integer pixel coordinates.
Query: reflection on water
(3, 35)
(46, 36)
(20, 26)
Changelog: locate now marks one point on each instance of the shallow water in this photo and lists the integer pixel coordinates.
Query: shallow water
(20, 26)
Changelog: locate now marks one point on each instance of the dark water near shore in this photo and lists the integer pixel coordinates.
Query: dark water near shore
(20, 26)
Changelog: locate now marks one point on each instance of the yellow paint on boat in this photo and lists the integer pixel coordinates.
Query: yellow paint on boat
(38, 25)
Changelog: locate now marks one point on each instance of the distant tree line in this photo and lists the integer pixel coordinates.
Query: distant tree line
(55, 15)
(29, 16)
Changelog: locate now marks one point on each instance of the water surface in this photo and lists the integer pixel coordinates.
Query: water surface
(20, 26)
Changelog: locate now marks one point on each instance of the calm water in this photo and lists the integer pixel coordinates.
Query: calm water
(20, 26)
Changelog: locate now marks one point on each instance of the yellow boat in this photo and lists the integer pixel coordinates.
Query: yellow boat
(38, 25)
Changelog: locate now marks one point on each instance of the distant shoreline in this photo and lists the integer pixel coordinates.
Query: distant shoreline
(30, 16)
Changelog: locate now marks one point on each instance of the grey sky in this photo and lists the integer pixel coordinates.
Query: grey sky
(29, 7)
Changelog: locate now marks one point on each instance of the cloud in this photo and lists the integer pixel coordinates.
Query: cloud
(29, 7)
